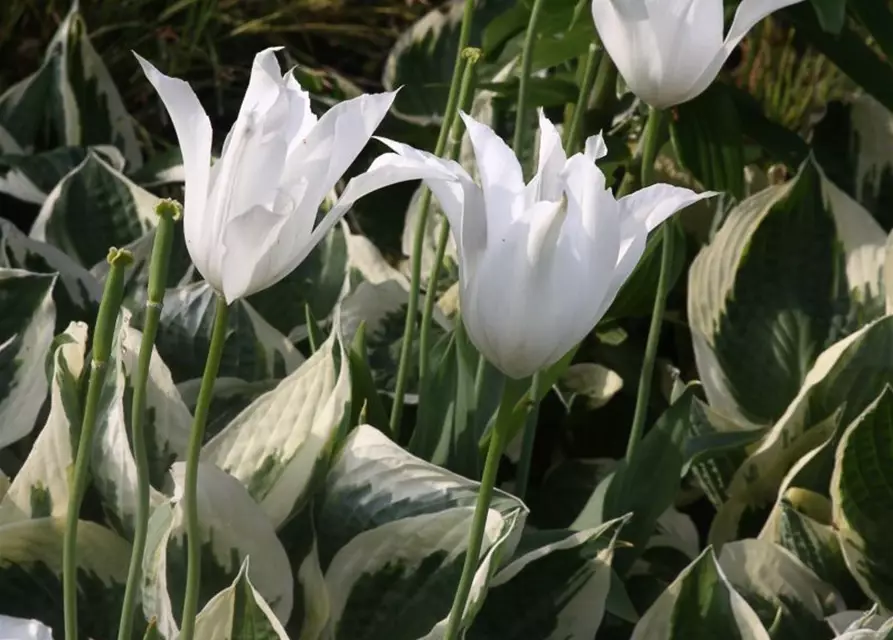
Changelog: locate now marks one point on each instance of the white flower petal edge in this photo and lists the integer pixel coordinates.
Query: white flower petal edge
(669, 51)
(539, 264)
(748, 14)
(22, 629)
(249, 219)
(193, 128)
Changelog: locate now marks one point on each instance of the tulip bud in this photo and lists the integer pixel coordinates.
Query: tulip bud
(249, 219)
(539, 264)
(669, 52)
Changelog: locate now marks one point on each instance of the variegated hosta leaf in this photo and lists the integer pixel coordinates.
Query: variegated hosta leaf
(73, 92)
(24, 117)
(93, 208)
(230, 398)
(700, 603)
(26, 331)
(390, 525)
(275, 446)
(777, 285)
(233, 528)
(854, 143)
(862, 497)
(101, 116)
(40, 488)
(801, 523)
(31, 574)
(716, 448)
(422, 59)
(166, 422)
(77, 292)
(165, 167)
(253, 351)
(409, 564)
(30, 177)
(844, 380)
(382, 306)
(860, 625)
(557, 591)
(789, 598)
(238, 612)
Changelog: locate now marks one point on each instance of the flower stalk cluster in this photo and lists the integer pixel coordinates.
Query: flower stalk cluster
(542, 254)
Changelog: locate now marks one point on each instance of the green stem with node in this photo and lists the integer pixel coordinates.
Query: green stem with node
(466, 92)
(412, 305)
(168, 213)
(103, 338)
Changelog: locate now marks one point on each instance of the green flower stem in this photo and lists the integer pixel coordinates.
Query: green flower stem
(513, 392)
(421, 227)
(590, 72)
(526, 68)
(522, 480)
(652, 139)
(196, 438)
(466, 91)
(168, 213)
(103, 338)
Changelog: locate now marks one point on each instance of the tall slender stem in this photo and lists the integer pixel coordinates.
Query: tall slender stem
(168, 213)
(514, 390)
(522, 480)
(466, 92)
(103, 338)
(526, 67)
(196, 438)
(652, 139)
(590, 72)
(421, 227)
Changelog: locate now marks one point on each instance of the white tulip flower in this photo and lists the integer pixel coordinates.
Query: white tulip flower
(539, 264)
(669, 51)
(249, 219)
(22, 629)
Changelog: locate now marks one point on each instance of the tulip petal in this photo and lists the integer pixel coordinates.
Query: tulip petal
(460, 198)
(628, 35)
(249, 252)
(546, 184)
(661, 47)
(23, 629)
(500, 172)
(652, 205)
(633, 239)
(193, 128)
(386, 170)
(335, 142)
(265, 83)
(595, 149)
(748, 14)
(588, 248)
(508, 302)
(300, 104)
